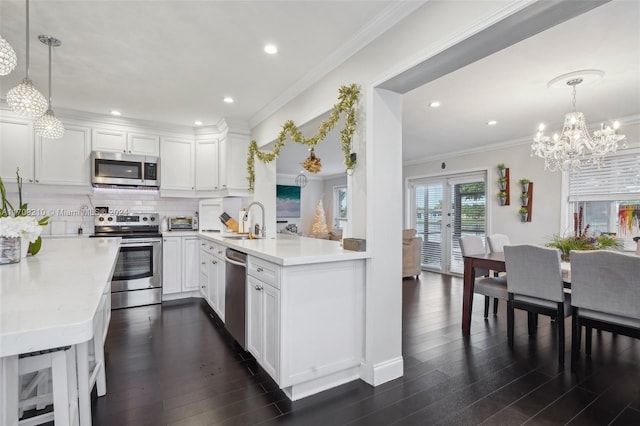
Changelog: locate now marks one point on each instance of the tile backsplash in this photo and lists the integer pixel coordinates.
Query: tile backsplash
(69, 212)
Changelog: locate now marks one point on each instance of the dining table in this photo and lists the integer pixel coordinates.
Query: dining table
(495, 262)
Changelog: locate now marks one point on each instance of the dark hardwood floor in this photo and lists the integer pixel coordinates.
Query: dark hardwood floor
(175, 365)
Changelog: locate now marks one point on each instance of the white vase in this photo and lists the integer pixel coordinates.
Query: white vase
(24, 248)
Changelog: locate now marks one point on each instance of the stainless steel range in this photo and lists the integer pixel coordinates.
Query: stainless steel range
(137, 279)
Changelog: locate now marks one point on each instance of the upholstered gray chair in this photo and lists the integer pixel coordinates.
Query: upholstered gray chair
(605, 290)
(497, 242)
(535, 285)
(488, 286)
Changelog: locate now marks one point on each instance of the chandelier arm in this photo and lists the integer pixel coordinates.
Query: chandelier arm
(27, 40)
(49, 74)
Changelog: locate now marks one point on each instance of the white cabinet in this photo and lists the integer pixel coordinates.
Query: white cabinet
(190, 258)
(263, 315)
(113, 140)
(180, 269)
(176, 164)
(263, 320)
(232, 172)
(64, 161)
(212, 273)
(207, 165)
(16, 149)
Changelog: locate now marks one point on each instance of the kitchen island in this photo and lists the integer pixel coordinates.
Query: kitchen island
(304, 309)
(50, 300)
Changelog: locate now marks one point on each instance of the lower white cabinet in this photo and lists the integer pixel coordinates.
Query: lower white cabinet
(263, 320)
(305, 323)
(180, 272)
(212, 276)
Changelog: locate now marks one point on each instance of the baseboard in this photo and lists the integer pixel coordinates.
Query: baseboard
(383, 372)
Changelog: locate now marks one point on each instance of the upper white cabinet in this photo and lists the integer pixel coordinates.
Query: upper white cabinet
(111, 140)
(16, 149)
(232, 170)
(64, 161)
(176, 164)
(207, 165)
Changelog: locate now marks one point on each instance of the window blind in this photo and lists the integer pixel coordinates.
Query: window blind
(617, 179)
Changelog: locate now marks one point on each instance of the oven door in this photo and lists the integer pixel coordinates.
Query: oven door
(139, 265)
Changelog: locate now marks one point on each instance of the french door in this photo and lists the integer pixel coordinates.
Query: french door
(443, 209)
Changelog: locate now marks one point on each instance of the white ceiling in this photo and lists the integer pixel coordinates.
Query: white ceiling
(174, 61)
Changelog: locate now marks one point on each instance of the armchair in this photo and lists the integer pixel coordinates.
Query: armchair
(411, 248)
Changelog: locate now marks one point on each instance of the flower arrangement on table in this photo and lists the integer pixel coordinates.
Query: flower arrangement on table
(581, 240)
(16, 222)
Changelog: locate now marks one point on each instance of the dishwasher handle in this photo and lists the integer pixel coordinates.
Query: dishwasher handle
(235, 262)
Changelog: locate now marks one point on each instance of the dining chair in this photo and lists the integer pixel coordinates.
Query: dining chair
(497, 242)
(495, 287)
(605, 295)
(535, 285)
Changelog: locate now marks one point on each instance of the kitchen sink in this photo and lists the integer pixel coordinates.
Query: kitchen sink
(241, 237)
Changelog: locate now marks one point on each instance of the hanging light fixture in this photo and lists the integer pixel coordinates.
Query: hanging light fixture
(25, 99)
(301, 180)
(48, 126)
(575, 147)
(8, 59)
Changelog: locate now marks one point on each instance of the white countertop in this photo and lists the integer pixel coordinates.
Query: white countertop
(289, 249)
(49, 300)
(180, 233)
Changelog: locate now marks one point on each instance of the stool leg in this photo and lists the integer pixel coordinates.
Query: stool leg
(73, 386)
(60, 388)
(84, 395)
(9, 390)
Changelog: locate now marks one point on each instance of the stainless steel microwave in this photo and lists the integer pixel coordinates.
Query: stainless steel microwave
(116, 169)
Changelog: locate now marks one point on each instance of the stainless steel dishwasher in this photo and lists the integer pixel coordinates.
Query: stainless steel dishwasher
(235, 295)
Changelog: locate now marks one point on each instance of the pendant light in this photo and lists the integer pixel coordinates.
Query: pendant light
(8, 59)
(48, 126)
(25, 99)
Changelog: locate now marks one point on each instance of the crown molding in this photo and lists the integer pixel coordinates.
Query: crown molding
(388, 18)
(630, 120)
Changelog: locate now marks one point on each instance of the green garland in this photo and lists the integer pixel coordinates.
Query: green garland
(347, 99)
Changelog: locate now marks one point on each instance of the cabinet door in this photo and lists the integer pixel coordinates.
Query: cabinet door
(271, 331)
(109, 140)
(143, 144)
(222, 287)
(171, 265)
(236, 150)
(207, 165)
(223, 167)
(212, 273)
(16, 149)
(64, 161)
(190, 265)
(176, 166)
(204, 287)
(254, 317)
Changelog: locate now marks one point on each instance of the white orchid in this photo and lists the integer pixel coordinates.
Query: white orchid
(26, 227)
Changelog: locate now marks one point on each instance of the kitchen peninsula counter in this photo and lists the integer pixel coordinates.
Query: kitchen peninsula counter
(49, 300)
(288, 250)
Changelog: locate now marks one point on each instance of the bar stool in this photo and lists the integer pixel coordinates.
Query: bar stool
(61, 362)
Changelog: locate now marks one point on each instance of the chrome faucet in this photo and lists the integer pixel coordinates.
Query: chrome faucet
(264, 228)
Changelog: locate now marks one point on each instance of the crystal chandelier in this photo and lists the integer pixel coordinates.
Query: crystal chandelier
(25, 99)
(575, 147)
(48, 126)
(8, 60)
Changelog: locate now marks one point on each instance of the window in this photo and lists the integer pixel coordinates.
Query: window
(609, 196)
(339, 206)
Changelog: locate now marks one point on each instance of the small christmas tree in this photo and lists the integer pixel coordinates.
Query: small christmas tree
(319, 221)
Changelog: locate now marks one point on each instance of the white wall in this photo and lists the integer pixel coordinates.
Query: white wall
(546, 207)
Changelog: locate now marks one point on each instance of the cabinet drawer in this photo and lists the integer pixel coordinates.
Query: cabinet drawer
(212, 248)
(203, 261)
(266, 272)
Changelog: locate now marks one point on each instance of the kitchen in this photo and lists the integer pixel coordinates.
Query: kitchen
(383, 344)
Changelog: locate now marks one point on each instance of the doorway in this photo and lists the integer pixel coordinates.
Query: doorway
(442, 210)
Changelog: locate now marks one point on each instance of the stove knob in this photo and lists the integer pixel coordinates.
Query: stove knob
(144, 219)
(101, 219)
(110, 219)
(153, 218)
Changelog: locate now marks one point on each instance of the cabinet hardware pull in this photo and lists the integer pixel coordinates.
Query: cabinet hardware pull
(210, 247)
(31, 180)
(203, 263)
(214, 262)
(259, 269)
(259, 287)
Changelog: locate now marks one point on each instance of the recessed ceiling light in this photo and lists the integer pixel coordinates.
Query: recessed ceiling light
(434, 104)
(198, 123)
(492, 123)
(271, 49)
(115, 112)
(228, 99)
